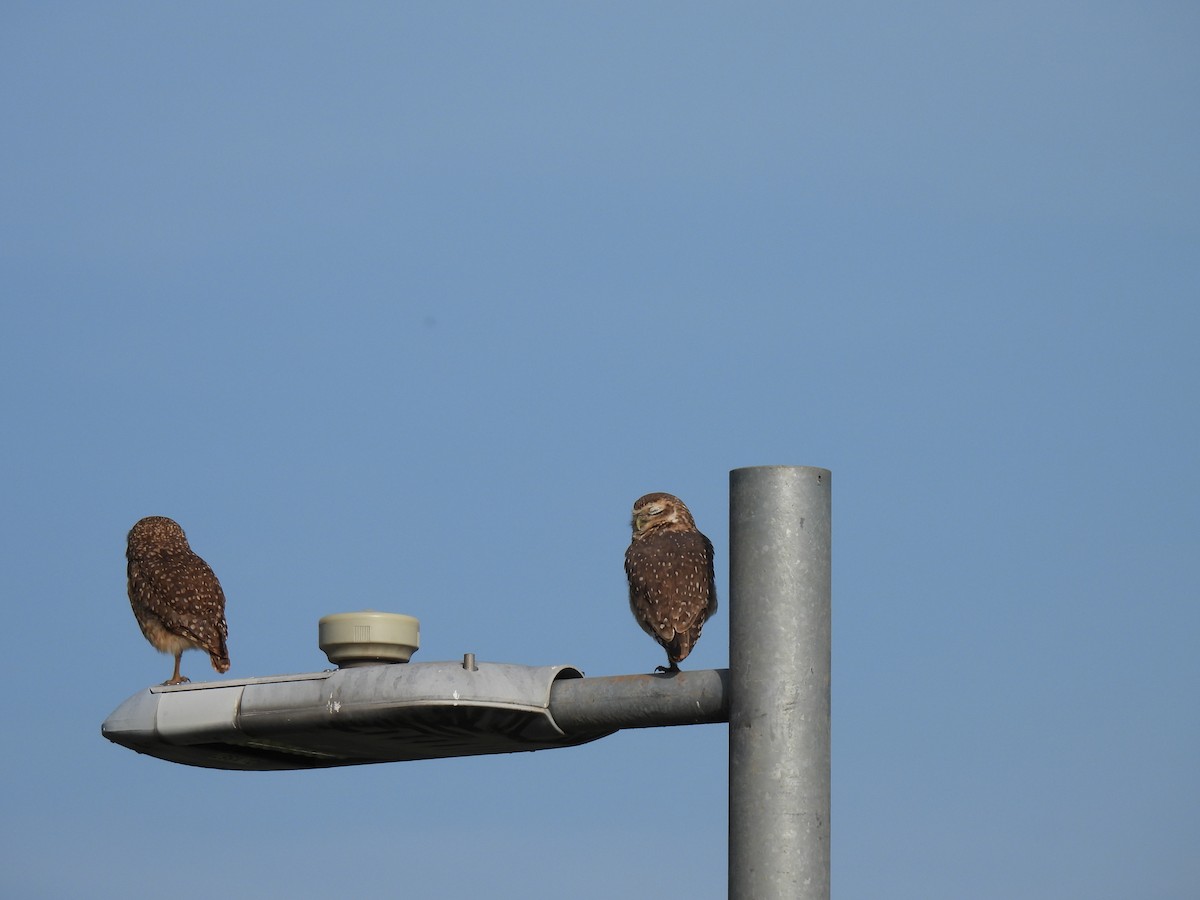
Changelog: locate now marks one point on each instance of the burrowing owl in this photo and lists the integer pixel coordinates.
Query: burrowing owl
(176, 598)
(669, 563)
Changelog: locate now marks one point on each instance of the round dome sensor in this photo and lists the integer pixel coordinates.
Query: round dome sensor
(368, 638)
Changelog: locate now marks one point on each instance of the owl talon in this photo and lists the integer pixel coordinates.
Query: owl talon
(182, 679)
(666, 670)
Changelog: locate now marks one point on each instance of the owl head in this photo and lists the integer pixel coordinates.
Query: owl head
(660, 512)
(158, 532)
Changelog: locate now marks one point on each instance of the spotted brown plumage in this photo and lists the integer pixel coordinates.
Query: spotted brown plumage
(669, 564)
(176, 598)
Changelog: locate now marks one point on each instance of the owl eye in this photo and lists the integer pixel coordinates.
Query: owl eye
(655, 510)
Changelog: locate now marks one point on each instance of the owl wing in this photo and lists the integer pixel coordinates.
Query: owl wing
(671, 585)
(185, 595)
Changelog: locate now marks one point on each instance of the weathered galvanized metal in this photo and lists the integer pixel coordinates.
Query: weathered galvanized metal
(779, 662)
(396, 712)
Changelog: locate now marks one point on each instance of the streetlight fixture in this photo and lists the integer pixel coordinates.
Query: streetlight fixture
(378, 707)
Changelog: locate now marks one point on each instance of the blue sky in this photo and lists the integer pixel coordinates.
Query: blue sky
(402, 306)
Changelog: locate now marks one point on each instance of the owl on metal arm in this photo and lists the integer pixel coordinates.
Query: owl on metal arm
(669, 564)
(176, 598)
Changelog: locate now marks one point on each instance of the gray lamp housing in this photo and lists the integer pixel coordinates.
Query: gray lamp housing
(362, 714)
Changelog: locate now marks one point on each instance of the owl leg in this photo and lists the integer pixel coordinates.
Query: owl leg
(176, 678)
(668, 670)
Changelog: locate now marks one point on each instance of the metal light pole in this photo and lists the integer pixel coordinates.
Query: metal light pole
(775, 696)
(779, 664)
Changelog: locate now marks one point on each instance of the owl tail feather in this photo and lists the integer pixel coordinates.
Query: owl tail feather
(220, 658)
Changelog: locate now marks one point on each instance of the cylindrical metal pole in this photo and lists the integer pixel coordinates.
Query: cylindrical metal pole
(779, 663)
(695, 697)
